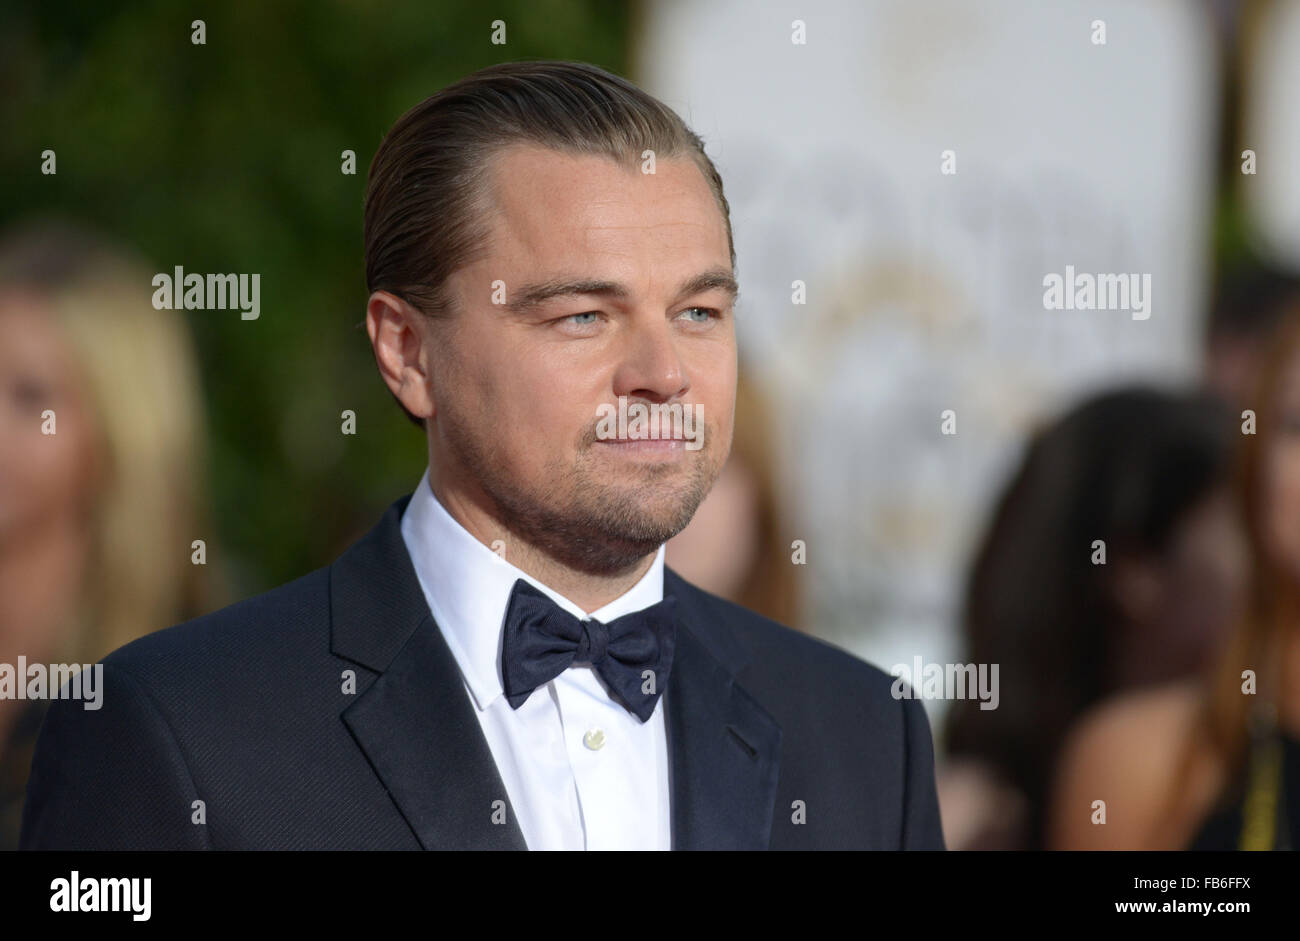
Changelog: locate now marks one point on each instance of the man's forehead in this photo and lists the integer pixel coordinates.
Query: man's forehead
(541, 188)
(554, 212)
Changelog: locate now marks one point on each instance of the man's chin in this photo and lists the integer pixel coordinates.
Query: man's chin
(618, 533)
(604, 519)
(639, 524)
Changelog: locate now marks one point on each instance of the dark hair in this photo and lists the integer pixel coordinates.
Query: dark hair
(1251, 301)
(426, 193)
(1125, 467)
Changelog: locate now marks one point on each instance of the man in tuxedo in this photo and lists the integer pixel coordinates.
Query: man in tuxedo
(504, 661)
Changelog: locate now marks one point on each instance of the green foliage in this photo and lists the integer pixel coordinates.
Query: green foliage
(226, 157)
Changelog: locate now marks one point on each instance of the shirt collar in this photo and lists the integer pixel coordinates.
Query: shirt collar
(467, 586)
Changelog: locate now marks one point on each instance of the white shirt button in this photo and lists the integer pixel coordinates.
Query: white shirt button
(594, 739)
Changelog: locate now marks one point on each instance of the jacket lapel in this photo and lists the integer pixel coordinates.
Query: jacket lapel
(414, 723)
(724, 747)
(417, 726)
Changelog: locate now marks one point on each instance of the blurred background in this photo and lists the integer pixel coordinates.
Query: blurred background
(902, 177)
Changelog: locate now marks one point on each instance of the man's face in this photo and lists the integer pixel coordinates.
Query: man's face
(518, 386)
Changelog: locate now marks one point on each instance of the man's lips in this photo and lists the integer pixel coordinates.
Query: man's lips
(669, 447)
(636, 440)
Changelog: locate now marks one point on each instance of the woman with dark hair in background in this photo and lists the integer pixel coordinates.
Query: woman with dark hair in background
(1214, 762)
(1113, 561)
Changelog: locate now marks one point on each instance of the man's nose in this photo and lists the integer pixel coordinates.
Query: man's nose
(651, 366)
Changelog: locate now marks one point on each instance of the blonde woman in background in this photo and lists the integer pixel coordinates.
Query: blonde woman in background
(97, 519)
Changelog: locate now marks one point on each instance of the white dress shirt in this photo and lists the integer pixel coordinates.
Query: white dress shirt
(580, 771)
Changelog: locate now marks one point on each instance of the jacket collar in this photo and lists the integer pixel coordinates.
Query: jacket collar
(418, 729)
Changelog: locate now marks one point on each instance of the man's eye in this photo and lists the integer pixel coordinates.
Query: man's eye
(708, 313)
(577, 318)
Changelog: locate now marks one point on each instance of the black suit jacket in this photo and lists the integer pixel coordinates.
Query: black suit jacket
(245, 709)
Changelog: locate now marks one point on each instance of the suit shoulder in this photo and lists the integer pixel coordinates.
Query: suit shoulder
(274, 623)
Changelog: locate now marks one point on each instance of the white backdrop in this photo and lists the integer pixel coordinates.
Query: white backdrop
(925, 290)
(1272, 130)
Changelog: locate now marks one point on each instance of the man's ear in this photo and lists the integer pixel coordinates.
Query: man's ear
(399, 338)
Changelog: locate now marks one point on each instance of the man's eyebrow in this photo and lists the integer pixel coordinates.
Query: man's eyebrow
(714, 279)
(531, 295)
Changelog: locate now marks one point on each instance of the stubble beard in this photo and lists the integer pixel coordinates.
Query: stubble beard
(592, 516)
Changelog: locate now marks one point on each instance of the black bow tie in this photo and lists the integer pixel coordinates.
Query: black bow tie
(542, 640)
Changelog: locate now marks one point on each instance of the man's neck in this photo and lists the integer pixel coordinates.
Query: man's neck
(591, 592)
